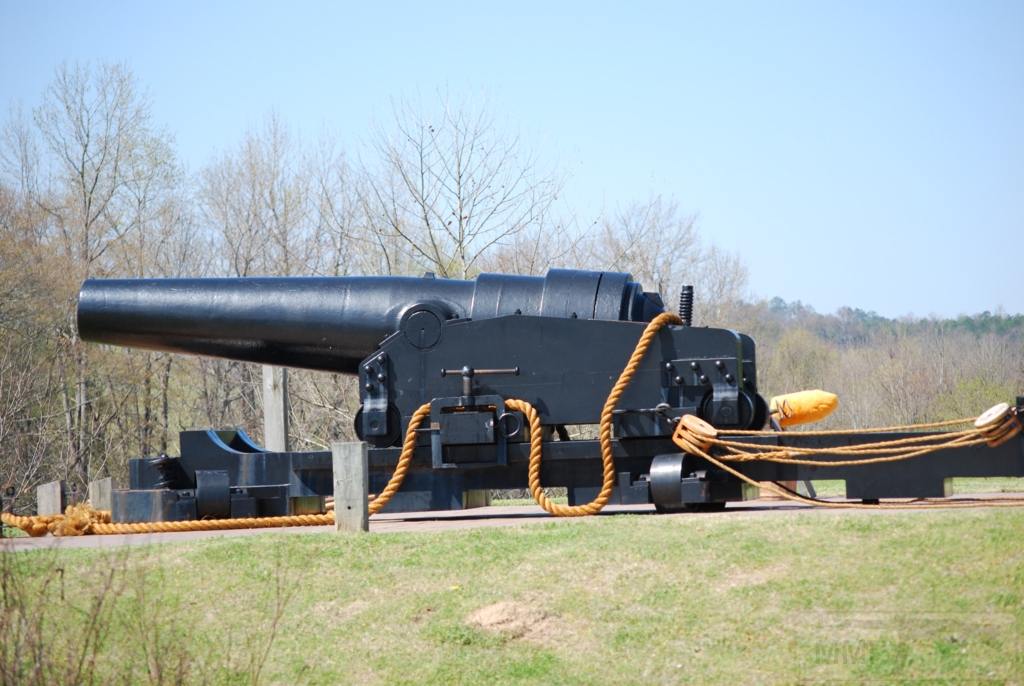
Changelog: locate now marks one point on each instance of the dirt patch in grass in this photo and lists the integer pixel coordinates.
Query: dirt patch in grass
(516, 620)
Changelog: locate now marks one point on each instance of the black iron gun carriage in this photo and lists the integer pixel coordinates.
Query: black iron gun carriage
(465, 350)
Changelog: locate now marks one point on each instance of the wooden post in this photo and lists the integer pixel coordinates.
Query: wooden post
(51, 498)
(275, 409)
(100, 494)
(351, 486)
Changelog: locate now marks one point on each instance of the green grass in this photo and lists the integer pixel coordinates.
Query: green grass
(804, 596)
(11, 532)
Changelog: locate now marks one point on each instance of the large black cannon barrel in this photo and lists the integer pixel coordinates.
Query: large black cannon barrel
(331, 323)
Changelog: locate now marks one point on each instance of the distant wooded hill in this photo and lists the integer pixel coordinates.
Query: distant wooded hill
(854, 326)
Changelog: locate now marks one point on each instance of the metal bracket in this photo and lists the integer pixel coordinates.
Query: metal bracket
(482, 424)
(373, 391)
(707, 387)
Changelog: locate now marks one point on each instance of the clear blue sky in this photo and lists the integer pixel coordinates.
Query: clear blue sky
(867, 154)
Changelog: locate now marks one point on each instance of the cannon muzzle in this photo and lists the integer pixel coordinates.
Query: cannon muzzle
(332, 323)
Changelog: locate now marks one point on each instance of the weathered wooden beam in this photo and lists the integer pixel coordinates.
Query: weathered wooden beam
(100, 494)
(275, 409)
(51, 498)
(351, 486)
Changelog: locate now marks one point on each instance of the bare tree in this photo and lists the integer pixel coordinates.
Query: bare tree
(275, 209)
(260, 199)
(97, 131)
(342, 244)
(450, 188)
(27, 380)
(92, 172)
(662, 248)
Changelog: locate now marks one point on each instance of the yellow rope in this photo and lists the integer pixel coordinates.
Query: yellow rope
(604, 430)
(215, 524)
(404, 459)
(694, 438)
(687, 437)
(785, 455)
(848, 432)
(76, 520)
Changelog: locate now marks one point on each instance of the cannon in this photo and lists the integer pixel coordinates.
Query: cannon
(466, 347)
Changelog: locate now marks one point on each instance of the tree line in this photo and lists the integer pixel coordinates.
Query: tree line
(92, 186)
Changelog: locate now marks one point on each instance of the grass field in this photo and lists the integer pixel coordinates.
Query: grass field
(804, 596)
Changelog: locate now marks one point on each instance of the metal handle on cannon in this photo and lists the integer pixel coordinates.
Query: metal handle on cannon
(468, 373)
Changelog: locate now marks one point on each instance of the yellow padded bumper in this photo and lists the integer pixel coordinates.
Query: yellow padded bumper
(802, 407)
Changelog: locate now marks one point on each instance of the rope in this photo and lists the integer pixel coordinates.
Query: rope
(996, 426)
(848, 432)
(80, 520)
(215, 524)
(404, 460)
(604, 430)
(76, 521)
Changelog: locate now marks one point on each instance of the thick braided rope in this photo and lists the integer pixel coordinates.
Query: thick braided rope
(76, 521)
(88, 521)
(33, 526)
(214, 524)
(536, 450)
(404, 460)
(604, 430)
